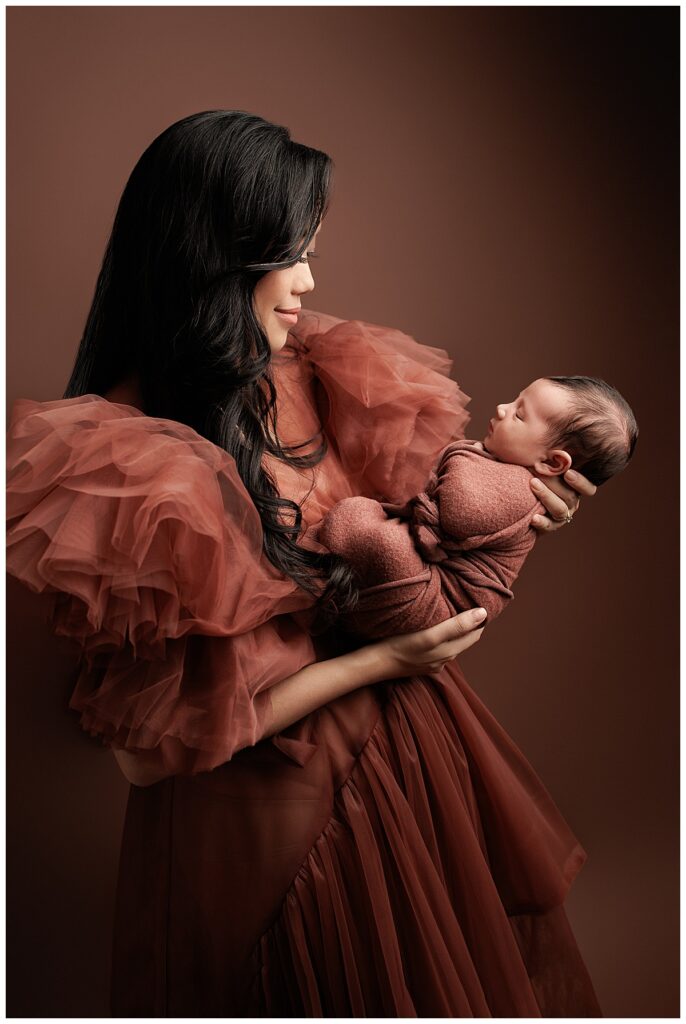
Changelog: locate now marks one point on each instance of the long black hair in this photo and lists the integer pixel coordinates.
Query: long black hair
(215, 201)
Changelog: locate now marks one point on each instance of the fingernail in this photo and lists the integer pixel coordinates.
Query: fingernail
(536, 483)
(480, 614)
(571, 474)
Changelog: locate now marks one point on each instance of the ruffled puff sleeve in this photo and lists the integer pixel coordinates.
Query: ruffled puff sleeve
(386, 402)
(148, 550)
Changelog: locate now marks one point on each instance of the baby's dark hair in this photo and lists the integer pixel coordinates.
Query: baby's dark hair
(599, 431)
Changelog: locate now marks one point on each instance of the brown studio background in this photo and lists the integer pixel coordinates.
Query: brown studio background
(506, 188)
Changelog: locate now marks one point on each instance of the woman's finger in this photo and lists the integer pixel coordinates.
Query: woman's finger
(557, 506)
(454, 628)
(580, 483)
(545, 525)
(454, 635)
(448, 651)
(463, 643)
(563, 490)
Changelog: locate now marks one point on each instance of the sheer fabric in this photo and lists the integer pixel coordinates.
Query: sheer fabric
(392, 853)
(146, 544)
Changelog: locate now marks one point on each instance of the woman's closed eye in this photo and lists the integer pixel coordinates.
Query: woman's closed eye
(308, 256)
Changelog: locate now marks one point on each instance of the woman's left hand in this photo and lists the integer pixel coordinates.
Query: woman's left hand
(560, 497)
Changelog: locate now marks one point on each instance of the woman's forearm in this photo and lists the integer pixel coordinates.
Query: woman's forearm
(292, 698)
(405, 655)
(323, 681)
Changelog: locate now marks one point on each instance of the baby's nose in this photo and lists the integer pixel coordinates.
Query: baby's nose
(500, 411)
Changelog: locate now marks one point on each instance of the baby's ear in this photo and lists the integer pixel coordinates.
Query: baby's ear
(556, 463)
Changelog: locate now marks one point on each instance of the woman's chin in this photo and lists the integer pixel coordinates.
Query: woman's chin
(277, 342)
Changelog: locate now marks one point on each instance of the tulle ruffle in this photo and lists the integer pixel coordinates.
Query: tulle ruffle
(195, 708)
(387, 402)
(147, 548)
(142, 527)
(148, 551)
(444, 859)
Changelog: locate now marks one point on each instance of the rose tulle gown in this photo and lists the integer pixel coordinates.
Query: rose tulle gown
(391, 854)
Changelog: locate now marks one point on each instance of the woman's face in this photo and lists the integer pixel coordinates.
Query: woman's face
(277, 298)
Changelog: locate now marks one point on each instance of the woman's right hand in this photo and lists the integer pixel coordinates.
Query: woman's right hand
(429, 650)
(408, 654)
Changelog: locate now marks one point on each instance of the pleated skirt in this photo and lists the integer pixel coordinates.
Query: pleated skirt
(393, 854)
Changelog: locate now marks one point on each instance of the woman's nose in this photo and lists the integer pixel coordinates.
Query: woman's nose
(305, 282)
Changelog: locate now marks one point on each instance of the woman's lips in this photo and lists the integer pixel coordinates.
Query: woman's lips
(291, 318)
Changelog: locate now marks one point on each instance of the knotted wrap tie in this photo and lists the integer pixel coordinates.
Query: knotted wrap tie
(421, 512)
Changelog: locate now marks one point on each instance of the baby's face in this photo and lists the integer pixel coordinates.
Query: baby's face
(518, 430)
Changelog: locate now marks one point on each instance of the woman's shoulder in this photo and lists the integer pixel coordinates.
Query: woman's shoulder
(114, 453)
(75, 421)
(90, 438)
(142, 524)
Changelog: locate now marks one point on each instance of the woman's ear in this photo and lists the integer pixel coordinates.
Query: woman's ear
(557, 462)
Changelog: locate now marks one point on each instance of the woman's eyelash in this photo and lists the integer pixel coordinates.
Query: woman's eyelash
(308, 256)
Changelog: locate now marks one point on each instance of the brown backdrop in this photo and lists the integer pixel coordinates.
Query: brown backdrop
(507, 188)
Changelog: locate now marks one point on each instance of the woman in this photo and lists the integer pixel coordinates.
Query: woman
(312, 829)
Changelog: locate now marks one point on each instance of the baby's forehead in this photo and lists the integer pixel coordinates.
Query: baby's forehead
(546, 397)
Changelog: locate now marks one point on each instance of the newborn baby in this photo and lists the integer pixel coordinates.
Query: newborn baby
(462, 542)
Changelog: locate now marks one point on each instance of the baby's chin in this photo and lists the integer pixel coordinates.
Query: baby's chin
(492, 449)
